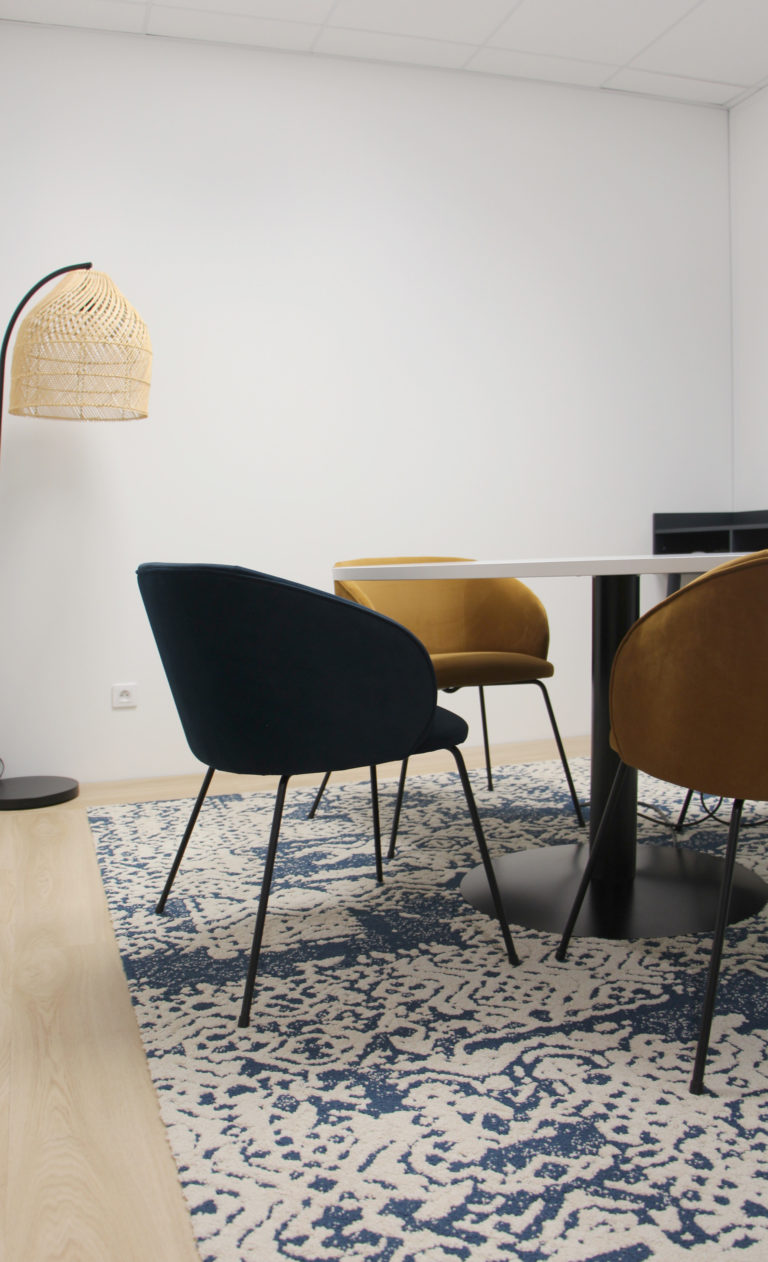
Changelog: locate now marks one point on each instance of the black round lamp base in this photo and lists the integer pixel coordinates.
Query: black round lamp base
(24, 793)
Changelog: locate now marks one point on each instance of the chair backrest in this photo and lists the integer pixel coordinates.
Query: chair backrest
(689, 684)
(455, 615)
(271, 677)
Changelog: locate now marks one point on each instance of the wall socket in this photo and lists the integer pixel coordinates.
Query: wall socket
(125, 696)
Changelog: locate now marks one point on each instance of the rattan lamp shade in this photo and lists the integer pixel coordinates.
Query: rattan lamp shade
(83, 353)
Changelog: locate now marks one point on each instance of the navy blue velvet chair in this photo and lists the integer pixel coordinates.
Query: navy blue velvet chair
(273, 678)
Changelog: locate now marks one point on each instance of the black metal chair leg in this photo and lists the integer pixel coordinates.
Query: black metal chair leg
(319, 794)
(597, 844)
(187, 834)
(683, 811)
(486, 858)
(697, 1079)
(261, 915)
(398, 808)
(486, 742)
(376, 825)
(561, 751)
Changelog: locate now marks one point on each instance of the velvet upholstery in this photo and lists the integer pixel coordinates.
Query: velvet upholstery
(689, 685)
(273, 678)
(476, 630)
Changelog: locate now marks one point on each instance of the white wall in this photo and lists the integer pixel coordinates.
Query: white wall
(392, 310)
(749, 183)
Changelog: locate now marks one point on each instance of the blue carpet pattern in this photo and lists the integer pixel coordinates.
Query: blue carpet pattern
(402, 1094)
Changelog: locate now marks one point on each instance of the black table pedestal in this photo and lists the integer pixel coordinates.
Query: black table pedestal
(637, 891)
(675, 891)
(615, 607)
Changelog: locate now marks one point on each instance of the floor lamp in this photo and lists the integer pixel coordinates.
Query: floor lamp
(82, 353)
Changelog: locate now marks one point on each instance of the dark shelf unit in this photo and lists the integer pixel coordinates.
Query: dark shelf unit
(709, 532)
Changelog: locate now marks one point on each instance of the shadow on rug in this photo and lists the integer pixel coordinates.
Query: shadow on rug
(403, 1094)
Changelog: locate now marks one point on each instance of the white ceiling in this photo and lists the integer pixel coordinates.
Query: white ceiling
(711, 52)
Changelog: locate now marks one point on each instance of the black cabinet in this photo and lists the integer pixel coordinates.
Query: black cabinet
(709, 532)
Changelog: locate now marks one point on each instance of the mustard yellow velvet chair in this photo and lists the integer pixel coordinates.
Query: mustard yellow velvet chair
(689, 705)
(478, 632)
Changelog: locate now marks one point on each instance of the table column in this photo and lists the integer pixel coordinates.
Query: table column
(615, 607)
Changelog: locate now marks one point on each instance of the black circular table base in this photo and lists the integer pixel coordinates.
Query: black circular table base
(24, 793)
(675, 891)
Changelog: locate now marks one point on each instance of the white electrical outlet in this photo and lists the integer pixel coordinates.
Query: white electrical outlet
(125, 696)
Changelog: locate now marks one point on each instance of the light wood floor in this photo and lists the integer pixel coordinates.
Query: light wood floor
(86, 1173)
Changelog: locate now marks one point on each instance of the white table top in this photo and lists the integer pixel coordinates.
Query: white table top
(544, 567)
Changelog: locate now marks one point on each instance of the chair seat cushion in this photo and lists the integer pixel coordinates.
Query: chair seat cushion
(466, 670)
(446, 729)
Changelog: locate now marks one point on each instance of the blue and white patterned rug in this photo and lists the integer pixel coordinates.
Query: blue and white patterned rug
(402, 1094)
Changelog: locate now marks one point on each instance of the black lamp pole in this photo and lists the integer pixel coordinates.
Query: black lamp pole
(21, 793)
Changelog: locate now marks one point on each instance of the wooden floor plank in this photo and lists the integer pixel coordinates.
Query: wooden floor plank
(89, 1176)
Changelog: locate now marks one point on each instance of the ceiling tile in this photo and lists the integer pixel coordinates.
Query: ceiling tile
(230, 28)
(457, 20)
(505, 61)
(596, 30)
(280, 10)
(675, 88)
(396, 48)
(720, 40)
(101, 15)
(705, 51)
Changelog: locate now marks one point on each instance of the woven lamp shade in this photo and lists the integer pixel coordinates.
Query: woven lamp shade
(82, 354)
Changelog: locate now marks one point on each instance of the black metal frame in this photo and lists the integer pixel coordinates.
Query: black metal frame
(713, 974)
(269, 864)
(558, 741)
(486, 744)
(721, 923)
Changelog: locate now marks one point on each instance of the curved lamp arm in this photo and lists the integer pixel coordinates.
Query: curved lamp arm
(72, 267)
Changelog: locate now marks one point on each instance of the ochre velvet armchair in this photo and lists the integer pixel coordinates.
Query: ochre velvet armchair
(478, 632)
(689, 705)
